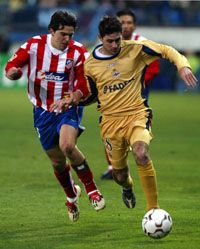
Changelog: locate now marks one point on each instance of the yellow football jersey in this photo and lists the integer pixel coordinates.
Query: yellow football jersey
(118, 80)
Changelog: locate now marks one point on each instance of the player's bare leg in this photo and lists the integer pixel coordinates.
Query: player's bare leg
(63, 175)
(78, 162)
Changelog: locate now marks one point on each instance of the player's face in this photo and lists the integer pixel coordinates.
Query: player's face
(128, 26)
(111, 43)
(62, 37)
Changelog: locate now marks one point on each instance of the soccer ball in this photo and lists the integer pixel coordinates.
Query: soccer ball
(157, 223)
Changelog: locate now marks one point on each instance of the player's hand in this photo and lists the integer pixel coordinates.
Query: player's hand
(188, 77)
(77, 95)
(73, 98)
(60, 105)
(14, 73)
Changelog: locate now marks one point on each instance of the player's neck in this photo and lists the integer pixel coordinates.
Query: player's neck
(104, 52)
(58, 46)
(127, 38)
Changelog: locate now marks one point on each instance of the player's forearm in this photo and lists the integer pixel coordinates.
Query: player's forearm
(14, 66)
(92, 95)
(175, 57)
(82, 88)
(89, 100)
(166, 52)
(13, 73)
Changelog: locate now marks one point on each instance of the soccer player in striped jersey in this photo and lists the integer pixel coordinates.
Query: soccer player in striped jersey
(55, 69)
(128, 21)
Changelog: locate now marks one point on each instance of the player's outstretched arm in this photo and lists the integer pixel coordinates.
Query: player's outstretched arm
(188, 77)
(14, 73)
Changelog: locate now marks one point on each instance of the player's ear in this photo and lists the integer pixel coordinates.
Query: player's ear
(51, 31)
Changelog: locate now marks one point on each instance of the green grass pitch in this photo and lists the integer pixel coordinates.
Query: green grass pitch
(32, 210)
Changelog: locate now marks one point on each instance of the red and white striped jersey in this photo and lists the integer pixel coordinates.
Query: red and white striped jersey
(137, 37)
(51, 72)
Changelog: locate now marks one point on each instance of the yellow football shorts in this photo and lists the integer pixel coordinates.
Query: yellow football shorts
(119, 133)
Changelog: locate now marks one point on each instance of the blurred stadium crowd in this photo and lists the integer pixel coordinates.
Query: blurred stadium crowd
(21, 19)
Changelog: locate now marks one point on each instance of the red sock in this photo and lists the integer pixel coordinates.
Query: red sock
(86, 177)
(66, 181)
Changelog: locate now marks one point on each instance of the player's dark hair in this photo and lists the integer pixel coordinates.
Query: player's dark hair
(62, 18)
(127, 12)
(109, 25)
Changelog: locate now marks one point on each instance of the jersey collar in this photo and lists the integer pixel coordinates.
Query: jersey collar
(106, 57)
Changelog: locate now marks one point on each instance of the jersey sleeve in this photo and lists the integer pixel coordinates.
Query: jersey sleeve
(93, 93)
(80, 80)
(91, 86)
(152, 51)
(20, 58)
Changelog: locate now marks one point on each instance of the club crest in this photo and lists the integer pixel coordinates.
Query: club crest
(69, 63)
(116, 74)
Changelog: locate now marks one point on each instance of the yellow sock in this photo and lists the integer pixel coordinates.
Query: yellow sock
(147, 176)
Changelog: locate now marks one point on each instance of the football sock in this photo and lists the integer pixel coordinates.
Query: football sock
(147, 176)
(86, 177)
(66, 181)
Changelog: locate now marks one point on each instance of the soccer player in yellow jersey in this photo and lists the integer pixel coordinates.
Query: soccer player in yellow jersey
(115, 73)
(128, 20)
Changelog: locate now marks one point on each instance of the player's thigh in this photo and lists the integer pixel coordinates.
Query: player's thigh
(68, 136)
(140, 134)
(117, 151)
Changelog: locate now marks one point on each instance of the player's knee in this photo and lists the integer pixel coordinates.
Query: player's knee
(142, 160)
(67, 148)
(120, 176)
(141, 154)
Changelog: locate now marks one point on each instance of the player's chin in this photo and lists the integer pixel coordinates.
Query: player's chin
(126, 35)
(63, 46)
(114, 51)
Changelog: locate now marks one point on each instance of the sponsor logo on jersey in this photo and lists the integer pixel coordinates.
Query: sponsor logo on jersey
(52, 76)
(117, 87)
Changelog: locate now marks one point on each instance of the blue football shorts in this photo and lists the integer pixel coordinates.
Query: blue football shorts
(48, 124)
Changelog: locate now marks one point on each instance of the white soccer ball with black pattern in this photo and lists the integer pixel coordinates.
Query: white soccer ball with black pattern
(157, 223)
